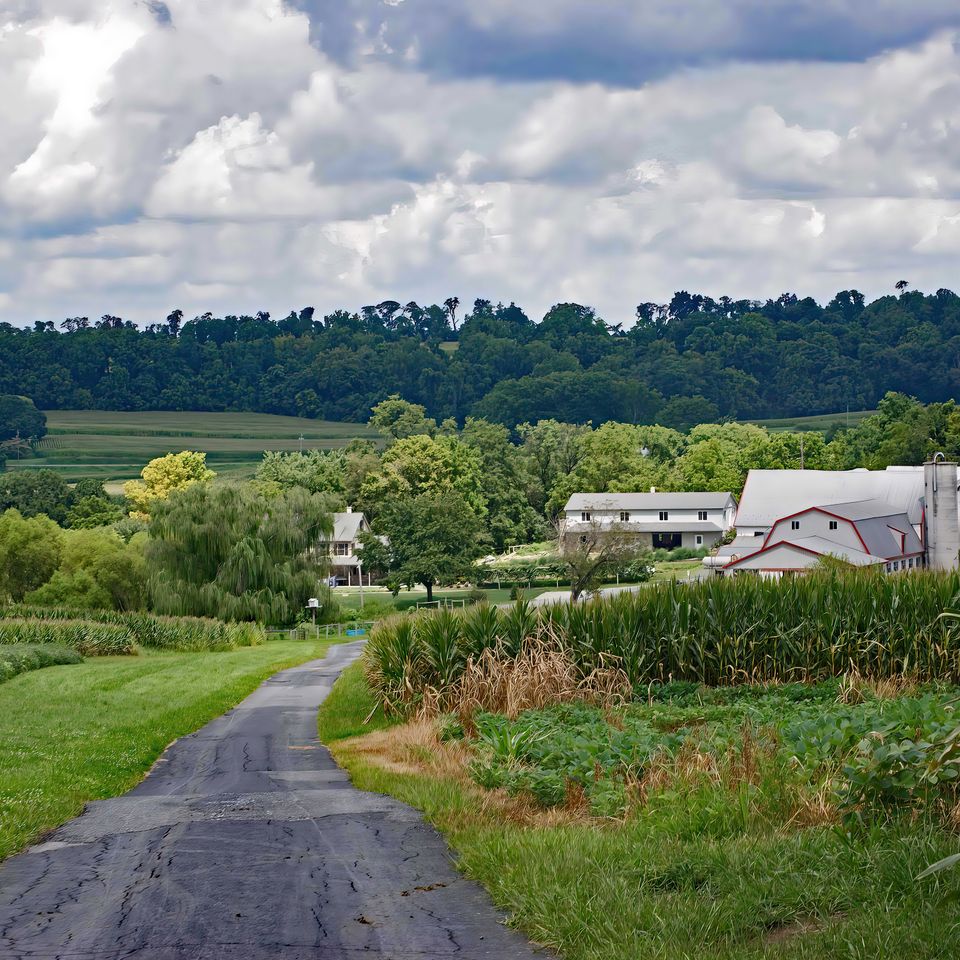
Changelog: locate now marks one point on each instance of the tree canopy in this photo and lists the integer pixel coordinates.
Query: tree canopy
(695, 359)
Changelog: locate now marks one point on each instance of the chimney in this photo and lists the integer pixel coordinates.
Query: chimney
(942, 526)
(653, 489)
(349, 509)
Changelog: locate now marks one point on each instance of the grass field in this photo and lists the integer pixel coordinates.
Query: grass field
(822, 423)
(706, 867)
(114, 446)
(71, 734)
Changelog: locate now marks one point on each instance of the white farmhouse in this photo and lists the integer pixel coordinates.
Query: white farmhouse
(344, 547)
(659, 520)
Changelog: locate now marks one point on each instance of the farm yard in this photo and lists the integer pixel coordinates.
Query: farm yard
(114, 446)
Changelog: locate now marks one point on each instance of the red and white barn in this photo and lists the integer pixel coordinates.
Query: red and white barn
(862, 533)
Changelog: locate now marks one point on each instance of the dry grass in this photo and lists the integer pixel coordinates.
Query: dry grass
(856, 688)
(414, 748)
(539, 676)
(745, 763)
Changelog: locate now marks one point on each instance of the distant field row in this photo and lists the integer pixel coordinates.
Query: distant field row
(193, 423)
(822, 422)
(114, 446)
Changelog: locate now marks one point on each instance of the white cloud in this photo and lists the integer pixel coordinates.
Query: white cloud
(220, 161)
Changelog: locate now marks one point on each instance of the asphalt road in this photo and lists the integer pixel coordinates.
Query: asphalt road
(247, 842)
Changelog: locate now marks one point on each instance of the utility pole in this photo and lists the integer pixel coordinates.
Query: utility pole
(801, 451)
(301, 443)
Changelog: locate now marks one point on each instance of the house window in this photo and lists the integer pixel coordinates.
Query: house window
(699, 540)
(585, 516)
(758, 533)
(896, 564)
(624, 516)
(341, 549)
(794, 524)
(664, 515)
(701, 514)
(833, 524)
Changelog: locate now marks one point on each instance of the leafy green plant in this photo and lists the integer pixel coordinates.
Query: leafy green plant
(23, 657)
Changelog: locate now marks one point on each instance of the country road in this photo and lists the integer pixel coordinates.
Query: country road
(247, 842)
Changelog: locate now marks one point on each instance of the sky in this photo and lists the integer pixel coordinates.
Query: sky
(244, 155)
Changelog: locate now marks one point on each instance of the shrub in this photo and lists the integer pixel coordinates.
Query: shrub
(84, 636)
(147, 630)
(23, 657)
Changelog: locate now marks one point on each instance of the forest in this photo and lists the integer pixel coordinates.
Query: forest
(693, 360)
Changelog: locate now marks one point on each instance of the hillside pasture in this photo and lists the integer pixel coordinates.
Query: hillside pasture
(114, 446)
(822, 423)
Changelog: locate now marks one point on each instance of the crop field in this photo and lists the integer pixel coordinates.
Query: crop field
(114, 446)
(720, 631)
(733, 823)
(822, 422)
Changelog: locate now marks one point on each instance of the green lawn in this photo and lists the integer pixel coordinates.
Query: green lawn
(115, 446)
(70, 734)
(696, 874)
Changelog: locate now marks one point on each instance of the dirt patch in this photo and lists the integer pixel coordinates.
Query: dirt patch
(803, 926)
(415, 749)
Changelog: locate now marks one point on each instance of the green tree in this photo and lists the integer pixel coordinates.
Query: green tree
(432, 538)
(592, 553)
(35, 492)
(319, 471)
(425, 465)
(163, 476)
(230, 552)
(551, 450)
(97, 570)
(30, 552)
(510, 518)
(19, 417)
(90, 512)
(398, 419)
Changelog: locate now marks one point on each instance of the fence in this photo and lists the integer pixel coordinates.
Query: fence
(308, 631)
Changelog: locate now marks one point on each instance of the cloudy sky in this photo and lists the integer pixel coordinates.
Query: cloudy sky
(236, 155)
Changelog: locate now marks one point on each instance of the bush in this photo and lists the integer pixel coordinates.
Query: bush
(148, 630)
(476, 595)
(84, 636)
(23, 657)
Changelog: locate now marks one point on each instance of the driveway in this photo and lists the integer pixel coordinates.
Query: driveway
(247, 842)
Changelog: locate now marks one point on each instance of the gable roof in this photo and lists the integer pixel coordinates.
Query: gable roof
(650, 501)
(769, 495)
(883, 531)
(347, 526)
(815, 545)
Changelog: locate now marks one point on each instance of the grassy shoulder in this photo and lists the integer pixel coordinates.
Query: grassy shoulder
(696, 871)
(71, 734)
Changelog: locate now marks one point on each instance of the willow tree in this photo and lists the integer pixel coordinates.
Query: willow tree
(232, 552)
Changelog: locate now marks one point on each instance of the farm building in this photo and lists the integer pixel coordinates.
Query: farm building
(344, 547)
(789, 521)
(659, 520)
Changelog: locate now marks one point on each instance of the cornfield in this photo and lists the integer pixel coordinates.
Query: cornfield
(109, 631)
(721, 631)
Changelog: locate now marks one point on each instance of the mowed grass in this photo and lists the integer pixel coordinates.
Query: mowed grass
(822, 422)
(113, 445)
(71, 734)
(700, 874)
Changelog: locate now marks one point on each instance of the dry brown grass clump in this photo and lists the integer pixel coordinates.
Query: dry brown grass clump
(414, 748)
(540, 675)
(856, 688)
